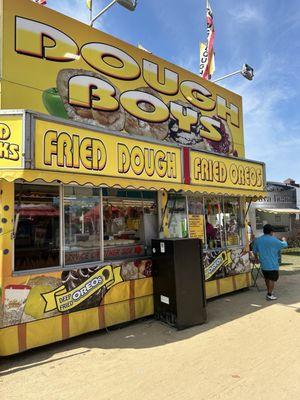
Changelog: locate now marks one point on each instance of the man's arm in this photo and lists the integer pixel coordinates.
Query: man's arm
(282, 244)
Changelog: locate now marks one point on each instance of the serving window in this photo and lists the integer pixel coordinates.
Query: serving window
(37, 233)
(176, 214)
(214, 223)
(82, 225)
(232, 221)
(129, 222)
(217, 221)
(63, 226)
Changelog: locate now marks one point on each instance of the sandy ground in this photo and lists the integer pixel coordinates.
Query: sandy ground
(249, 349)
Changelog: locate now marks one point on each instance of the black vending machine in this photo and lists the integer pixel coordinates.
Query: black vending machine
(178, 282)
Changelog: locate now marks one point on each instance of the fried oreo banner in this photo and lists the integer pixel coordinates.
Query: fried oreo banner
(64, 300)
(222, 260)
(56, 65)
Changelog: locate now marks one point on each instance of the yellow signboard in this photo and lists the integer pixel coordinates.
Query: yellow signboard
(11, 141)
(57, 65)
(211, 170)
(65, 148)
(196, 226)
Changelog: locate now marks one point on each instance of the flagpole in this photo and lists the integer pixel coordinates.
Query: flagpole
(103, 11)
(228, 75)
(91, 12)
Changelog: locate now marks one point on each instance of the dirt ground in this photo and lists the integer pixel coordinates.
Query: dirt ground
(249, 349)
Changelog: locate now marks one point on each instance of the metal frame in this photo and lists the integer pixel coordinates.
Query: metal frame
(101, 230)
(61, 226)
(36, 115)
(92, 20)
(113, 2)
(228, 75)
(255, 274)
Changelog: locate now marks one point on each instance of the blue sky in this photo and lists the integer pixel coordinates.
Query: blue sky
(262, 33)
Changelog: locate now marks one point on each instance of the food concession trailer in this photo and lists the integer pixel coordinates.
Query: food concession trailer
(122, 147)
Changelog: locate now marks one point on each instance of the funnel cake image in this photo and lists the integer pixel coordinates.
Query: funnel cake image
(129, 271)
(114, 120)
(191, 138)
(136, 126)
(194, 137)
(225, 145)
(144, 268)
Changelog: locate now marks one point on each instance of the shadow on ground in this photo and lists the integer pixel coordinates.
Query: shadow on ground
(148, 332)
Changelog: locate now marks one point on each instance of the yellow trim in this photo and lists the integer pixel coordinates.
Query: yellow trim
(125, 183)
(211, 289)
(117, 313)
(17, 338)
(83, 321)
(50, 330)
(43, 331)
(230, 284)
(144, 306)
(9, 343)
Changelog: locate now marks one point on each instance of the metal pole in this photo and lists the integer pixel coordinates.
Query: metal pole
(227, 76)
(102, 11)
(91, 14)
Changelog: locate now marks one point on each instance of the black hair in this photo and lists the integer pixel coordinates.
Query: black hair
(268, 229)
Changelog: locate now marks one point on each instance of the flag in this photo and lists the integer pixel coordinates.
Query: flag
(89, 4)
(204, 61)
(207, 57)
(41, 2)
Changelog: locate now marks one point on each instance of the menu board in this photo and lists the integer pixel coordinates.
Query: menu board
(196, 225)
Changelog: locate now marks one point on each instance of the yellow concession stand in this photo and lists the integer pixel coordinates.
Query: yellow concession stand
(121, 147)
(79, 207)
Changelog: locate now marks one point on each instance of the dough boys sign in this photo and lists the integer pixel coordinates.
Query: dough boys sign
(71, 70)
(71, 149)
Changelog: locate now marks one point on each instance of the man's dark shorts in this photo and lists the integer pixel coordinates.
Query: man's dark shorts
(271, 275)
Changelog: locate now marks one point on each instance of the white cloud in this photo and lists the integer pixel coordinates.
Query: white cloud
(269, 137)
(190, 63)
(246, 14)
